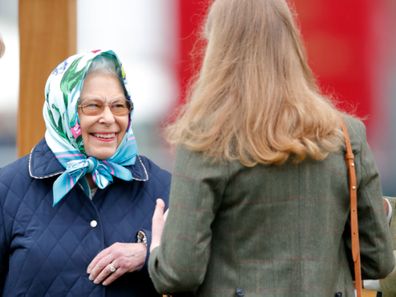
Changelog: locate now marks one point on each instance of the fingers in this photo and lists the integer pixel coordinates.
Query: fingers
(115, 261)
(159, 209)
(158, 223)
(113, 276)
(99, 257)
(388, 210)
(158, 216)
(166, 214)
(108, 274)
(101, 269)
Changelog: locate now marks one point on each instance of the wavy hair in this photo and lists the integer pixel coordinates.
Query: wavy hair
(255, 98)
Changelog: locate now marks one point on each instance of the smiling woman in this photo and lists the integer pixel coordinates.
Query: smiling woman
(103, 112)
(77, 203)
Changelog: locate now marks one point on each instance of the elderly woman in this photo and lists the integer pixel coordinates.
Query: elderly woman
(75, 214)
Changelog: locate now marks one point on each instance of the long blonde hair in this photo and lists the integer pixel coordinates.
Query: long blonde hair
(255, 99)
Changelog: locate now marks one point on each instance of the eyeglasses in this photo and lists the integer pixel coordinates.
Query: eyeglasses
(94, 107)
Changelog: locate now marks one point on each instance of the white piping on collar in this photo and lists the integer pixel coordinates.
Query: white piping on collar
(144, 169)
(60, 172)
(39, 177)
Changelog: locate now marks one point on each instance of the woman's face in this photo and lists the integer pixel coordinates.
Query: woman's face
(103, 132)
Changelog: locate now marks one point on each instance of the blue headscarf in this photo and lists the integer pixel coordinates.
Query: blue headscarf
(63, 134)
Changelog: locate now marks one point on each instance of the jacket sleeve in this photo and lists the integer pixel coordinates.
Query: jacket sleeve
(179, 264)
(375, 240)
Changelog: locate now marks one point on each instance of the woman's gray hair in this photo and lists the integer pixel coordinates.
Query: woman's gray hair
(104, 64)
(107, 65)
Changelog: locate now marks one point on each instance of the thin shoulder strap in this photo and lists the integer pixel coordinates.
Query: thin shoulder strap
(350, 162)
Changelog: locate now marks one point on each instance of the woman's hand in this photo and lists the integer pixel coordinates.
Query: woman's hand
(159, 218)
(115, 261)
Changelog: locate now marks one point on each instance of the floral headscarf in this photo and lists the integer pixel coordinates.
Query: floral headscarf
(63, 134)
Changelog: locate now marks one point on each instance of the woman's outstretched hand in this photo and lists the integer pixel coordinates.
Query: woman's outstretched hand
(115, 261)
(159, 218)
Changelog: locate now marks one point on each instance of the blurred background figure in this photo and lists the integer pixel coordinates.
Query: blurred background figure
(9, 76)
(2, 46)
(351, 50)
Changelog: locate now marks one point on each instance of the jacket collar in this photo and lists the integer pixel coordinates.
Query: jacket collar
(43, 164)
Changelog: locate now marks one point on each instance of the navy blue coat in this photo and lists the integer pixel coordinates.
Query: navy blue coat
(45, 250)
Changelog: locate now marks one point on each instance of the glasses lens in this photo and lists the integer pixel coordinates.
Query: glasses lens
(120, 107)
(94, 107)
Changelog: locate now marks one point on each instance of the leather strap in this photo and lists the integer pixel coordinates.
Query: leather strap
(350, 162)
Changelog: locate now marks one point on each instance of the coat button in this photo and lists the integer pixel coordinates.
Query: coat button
(93, 223)
(239, 292)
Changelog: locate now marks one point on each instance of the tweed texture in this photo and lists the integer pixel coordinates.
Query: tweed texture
(273, 231)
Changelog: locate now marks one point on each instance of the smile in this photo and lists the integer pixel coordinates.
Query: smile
(104, 136)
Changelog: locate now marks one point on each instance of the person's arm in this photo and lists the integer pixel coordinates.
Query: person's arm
(375, 241)
(179, 264)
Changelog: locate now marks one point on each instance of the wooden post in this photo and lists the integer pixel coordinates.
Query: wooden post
(368, 293)
(47, 31)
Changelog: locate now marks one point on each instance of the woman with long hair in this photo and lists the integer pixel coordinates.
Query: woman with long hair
(259, 202)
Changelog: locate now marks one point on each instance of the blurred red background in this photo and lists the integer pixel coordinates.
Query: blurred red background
(343, 42)
(351, 48)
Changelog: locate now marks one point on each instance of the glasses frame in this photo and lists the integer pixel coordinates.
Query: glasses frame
(81, 107)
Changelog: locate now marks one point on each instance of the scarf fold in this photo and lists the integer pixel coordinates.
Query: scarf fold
(63, 133)
(76, 168)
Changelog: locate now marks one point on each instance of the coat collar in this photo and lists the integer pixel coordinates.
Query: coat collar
(43, 164)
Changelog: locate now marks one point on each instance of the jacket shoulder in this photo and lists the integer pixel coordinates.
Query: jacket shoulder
(16, 169)
(14, 179)
(354, 125)
(357, 132)
(154, 171)
(159, 179)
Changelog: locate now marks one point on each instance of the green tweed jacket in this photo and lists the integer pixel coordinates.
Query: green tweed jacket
(271, 230)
